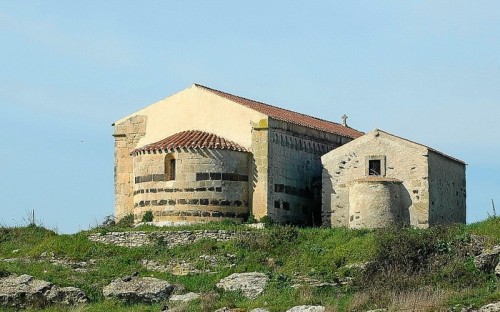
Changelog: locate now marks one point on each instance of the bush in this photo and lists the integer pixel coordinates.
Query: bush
(126, 222)
(266, 220)
(148, 216)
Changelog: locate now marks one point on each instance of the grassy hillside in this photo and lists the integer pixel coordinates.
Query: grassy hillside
(408, 269)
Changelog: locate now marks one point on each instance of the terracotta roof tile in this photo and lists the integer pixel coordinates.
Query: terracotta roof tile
(290, 116)
(192, 139)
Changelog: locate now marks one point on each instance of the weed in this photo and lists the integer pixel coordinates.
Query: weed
(148, 216)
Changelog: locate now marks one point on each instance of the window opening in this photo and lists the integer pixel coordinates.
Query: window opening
(374, 167)
(170, 167)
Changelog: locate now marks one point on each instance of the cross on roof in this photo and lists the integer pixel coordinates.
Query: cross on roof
(344, 120)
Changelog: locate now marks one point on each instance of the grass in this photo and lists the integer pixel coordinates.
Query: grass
(423, 270)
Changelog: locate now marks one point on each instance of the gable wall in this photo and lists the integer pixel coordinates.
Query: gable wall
(404, 161)
(190, 109)
(447, 190)
(198, 109)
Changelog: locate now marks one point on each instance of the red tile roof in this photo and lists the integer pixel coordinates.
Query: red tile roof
(192, 139)
(290, 116)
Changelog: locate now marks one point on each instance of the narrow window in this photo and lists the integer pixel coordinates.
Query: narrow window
(374, 167)
(170, 167)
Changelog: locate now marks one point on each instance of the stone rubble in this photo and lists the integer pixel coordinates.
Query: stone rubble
(300, 281)
(307, 308)
(167, 238)
(488, 260)
(182, 267)
(132, 289)
(185, 298)
(250, 284)
(21, 291)
(493, 307)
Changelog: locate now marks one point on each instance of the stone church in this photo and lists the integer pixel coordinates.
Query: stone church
(203, 154)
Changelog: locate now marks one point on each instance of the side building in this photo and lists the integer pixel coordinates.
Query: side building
(203, 154)
(381, 179)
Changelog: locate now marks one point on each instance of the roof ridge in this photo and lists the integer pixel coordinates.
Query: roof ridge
(273, 106)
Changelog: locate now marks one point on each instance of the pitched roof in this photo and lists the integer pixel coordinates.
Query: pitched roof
(289, 116)
(191, 139)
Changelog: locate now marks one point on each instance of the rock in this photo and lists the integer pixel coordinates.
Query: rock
(497, 269)
(225, 309)
(138, 290)
(185, 298)
(300, 281)
(258, 226)
(307, 308)
(488, 259)
(493, 307)
(259, 310)
(69, 296)
(24, 291)
(251, 284)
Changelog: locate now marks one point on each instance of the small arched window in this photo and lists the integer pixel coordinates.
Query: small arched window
(169, 167)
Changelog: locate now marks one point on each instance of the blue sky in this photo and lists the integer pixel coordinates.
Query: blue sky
(425, 70)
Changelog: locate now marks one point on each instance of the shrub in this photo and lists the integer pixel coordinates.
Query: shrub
(148, 216)
(266, 220)
(126, 222)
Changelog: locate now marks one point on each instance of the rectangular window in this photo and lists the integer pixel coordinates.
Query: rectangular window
(374, 167)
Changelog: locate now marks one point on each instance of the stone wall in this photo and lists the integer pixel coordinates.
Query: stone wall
(294, 162)
(127, 133)
(209, 184)
(447, 190)
(294, 171)
(260, 169)
(170, 239)
(375, 203)
(402, 160)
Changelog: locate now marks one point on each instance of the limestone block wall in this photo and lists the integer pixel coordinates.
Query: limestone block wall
(447, 189)
(127, 134)
(260, 169)
(294, 163)
(374, 203)
(402, 160)
(209, 184)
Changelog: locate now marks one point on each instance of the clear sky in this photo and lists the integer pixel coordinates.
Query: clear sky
(425, 70)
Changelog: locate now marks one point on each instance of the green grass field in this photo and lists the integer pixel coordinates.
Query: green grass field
(409, 269)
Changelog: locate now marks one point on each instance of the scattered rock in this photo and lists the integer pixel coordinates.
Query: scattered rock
(251, 284)
(185, 298)
(488, 260)
(493, 307)
(299, 281)
(69, 296)
(224, 309)
(307, 308)
(258, 226)
(259, 310)
(378, 310)
(24, 291)
(181, 267)
(138, 289)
